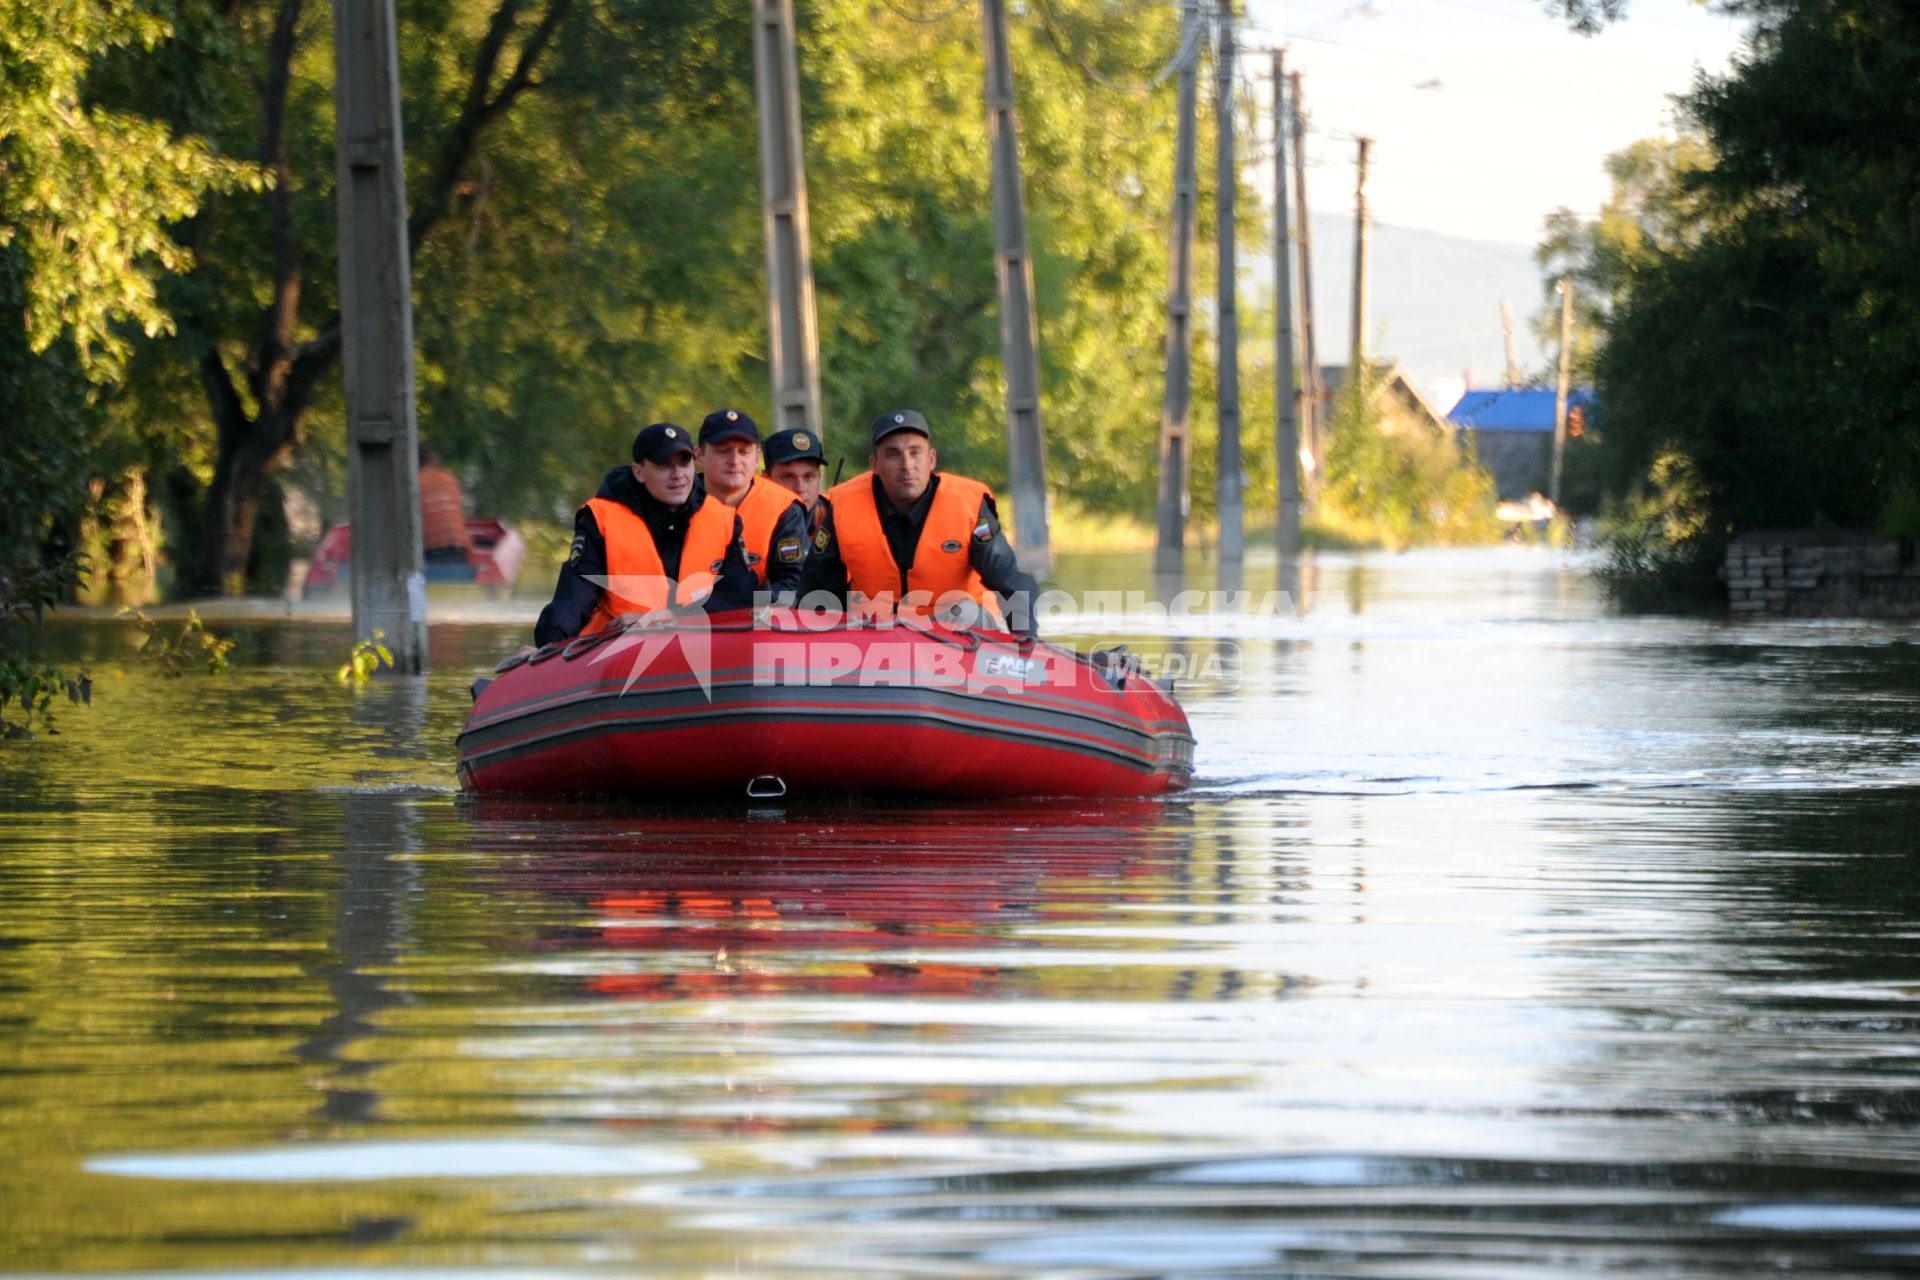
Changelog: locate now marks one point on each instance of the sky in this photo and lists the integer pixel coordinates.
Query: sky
(1485, 115)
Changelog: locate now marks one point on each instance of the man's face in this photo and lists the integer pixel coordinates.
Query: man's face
(904, 461)
(670, 482)
(802, 475)
(728, 466)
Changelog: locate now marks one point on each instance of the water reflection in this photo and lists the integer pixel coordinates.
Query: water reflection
(1500, 938)
(376, 889)
(824, 902)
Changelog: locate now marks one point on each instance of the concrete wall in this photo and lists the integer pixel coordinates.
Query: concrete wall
(1821, 575)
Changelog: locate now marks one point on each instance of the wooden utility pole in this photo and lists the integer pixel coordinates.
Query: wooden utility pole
(1514, 379)
(1230, 473)
(1560, 395)
(376, 331)
(1310, 399)
(1019, 321)
(1172, 506)
(1357, 347)
(793, 342)
(1286, 438)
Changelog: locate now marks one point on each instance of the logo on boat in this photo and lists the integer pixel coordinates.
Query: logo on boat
(1011, 666)
(950, 545)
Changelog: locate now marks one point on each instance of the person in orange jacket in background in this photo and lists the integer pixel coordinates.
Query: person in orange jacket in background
(443, 511)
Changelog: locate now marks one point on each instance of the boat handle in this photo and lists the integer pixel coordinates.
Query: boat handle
(587, 643)
(767, 786)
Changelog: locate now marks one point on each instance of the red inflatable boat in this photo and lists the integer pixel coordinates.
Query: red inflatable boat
(796, 704)
(492, 564)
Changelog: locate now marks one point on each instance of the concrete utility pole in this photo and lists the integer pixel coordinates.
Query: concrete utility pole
(1019, 321)
(1357, 348)
(793, 341)
(1310, 400)
(376, 330)
(1286, 400)
(1514, 378)
(1560, 396)
(1230, 479)
(1172, 507)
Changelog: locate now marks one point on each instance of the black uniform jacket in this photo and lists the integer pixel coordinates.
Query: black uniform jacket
(574, 597)
(992, 557)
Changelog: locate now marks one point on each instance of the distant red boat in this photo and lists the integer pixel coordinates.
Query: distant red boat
(729, 706)
(493, 563)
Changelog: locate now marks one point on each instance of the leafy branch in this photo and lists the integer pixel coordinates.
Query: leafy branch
(171, 652)
(367, 657)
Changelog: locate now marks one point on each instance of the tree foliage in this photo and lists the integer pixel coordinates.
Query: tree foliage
(587, 243)
(1772, 347)
(89, 192)
(1651, 209)
(1396, 480)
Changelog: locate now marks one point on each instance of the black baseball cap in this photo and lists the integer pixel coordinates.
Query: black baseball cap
(659, 442)
(786, 446)
(728, 424)
(899, 420)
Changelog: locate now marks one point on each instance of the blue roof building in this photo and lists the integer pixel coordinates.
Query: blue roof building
(1512, 434)
(1524, 410)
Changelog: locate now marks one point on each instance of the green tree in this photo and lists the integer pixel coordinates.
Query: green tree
(1394, 479)
(260, 331)
(89, 192)
(1651, 209)
(1772, 351)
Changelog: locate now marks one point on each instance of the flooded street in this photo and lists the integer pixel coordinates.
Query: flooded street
(1498, 937)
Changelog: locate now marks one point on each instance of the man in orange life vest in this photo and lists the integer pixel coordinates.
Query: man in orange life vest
(905, 537)
(772, 519)
(655, 538)
(443, 512)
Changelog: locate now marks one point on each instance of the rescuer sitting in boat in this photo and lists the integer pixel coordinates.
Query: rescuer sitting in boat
(657, 540)
(794, 460)
(774, 521)
(904, 538)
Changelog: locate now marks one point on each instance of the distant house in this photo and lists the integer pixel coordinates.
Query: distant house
(1398, 400)
(1512, 432)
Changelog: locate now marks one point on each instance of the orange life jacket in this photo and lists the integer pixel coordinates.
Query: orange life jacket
(942, 561)
(634, 563)
(443, 515)
(759, 512)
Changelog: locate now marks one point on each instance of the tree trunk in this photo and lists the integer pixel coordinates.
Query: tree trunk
(250, 452)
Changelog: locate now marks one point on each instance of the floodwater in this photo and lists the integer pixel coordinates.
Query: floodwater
(1497, 938)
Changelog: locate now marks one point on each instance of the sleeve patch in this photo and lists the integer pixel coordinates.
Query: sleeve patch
(822, 536)
(788, 550)
(579, 548)
(983, 532)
